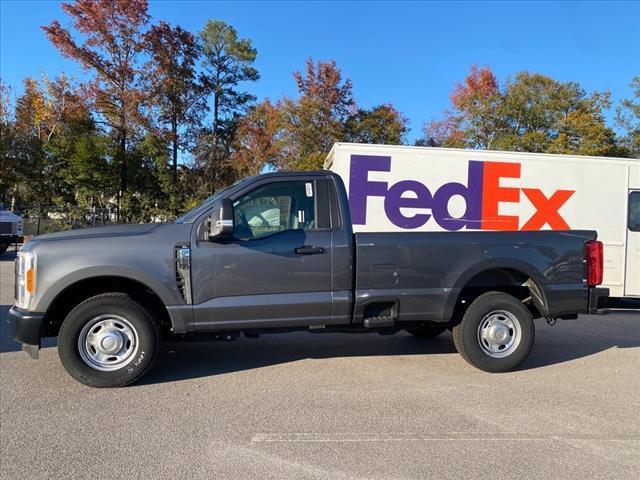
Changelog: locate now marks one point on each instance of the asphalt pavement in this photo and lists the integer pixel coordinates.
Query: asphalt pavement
(332, 406)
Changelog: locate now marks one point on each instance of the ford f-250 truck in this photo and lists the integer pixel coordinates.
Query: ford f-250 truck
(277, 253)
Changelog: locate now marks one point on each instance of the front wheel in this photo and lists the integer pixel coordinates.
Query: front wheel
(108, 340)
(496, 332)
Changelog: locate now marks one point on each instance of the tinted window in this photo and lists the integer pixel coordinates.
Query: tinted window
(275, 207)
(634, 211)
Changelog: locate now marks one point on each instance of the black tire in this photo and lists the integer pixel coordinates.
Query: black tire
(128, 314)
(3, 248)
(427, 331)
(471, 340)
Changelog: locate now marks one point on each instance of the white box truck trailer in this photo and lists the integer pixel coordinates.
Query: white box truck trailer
(400, 188)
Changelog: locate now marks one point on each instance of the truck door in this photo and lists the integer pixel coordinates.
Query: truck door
(275, 271)
(632, 277)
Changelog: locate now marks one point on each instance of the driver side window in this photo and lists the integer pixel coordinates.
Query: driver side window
(274, 208)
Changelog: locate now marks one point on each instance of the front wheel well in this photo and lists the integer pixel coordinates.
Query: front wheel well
(506, 280)
(78, 292)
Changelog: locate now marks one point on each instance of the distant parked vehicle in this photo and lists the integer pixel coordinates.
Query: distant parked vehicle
(10, 229)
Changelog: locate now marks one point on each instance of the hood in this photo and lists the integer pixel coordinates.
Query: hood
(7, 215)
(101, 232)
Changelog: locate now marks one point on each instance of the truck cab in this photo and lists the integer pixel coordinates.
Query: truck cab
(286, 263)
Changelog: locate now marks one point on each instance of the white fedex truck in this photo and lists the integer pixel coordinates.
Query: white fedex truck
(399, 188)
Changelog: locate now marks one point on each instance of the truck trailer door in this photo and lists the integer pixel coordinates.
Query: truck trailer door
(632, 280)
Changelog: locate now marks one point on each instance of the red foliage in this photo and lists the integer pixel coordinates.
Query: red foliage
(480, 83)
(445, 132)
(258, 141)
(109, 26)
(323, 82)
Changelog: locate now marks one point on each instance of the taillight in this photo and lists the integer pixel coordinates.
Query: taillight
(594, 263)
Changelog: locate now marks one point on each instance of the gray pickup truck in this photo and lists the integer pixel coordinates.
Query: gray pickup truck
(277, 253)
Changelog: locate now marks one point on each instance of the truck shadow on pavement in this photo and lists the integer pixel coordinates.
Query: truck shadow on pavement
(190, 360)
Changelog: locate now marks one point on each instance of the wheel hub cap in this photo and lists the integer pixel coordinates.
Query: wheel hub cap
(108, 342)
(499, 333)
(111, 342)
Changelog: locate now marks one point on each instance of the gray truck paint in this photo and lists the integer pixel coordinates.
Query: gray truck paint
(263, 283)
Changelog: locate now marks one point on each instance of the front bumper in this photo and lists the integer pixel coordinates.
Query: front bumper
(27, 328)
(598, 301)
(9, 239)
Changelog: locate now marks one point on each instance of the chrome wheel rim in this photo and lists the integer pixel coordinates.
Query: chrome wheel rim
(108, 342)
(499, 333)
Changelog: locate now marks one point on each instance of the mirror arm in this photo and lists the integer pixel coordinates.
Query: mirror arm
(222, 224)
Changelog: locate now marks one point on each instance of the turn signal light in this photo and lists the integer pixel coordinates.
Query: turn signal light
(30, 283)
(595, 263)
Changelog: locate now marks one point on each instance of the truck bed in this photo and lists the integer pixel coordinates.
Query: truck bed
(425, 272)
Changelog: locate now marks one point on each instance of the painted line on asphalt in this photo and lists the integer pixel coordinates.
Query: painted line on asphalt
(395, 437)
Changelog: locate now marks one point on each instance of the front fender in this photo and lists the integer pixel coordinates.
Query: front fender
(169, 296)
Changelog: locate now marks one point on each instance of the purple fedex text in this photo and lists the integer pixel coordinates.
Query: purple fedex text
(361, 188)
(482, 194)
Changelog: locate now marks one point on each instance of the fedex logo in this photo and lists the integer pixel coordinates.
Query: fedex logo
(482, 195)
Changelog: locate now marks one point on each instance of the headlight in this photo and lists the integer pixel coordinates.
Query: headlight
(25, 279)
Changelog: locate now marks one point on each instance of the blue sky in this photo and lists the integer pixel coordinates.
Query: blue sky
(407, 53)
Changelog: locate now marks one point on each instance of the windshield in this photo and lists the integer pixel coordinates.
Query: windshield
(195, 212)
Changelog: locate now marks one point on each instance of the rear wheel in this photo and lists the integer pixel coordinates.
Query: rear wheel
(427, 331)
(108, 340)
(3, 248)
(496, 332)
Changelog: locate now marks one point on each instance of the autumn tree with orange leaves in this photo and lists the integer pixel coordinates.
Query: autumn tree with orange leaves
(109, 38)
(316, 119)
(57, 153)
(298, 133)
(172, 84)
(530, 113)
(259, 140)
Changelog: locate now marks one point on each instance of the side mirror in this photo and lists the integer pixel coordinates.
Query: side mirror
(221, 220)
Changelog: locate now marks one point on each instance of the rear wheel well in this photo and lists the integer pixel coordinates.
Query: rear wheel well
(507, 280)
(76, 293)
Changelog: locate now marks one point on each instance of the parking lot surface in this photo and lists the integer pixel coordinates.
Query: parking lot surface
(331, 406)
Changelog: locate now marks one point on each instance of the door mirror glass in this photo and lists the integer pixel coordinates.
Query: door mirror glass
(221, 219)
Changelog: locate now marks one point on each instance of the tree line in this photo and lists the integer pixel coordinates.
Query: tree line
(166, 116)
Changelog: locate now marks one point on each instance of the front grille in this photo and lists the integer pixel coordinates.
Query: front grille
(8, 228)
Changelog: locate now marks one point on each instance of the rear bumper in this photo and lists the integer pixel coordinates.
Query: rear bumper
(27, 328)
(598, 298)
(624, 303)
